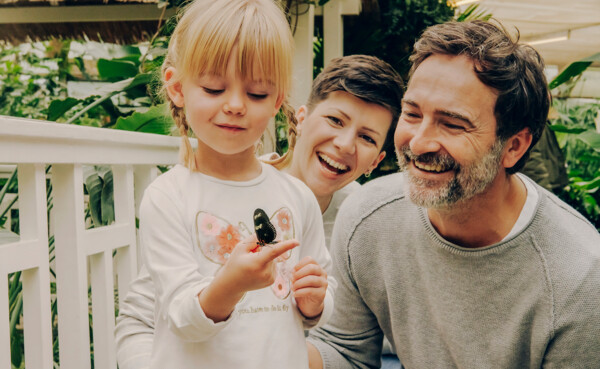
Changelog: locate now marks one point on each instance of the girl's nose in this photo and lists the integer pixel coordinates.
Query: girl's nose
(235, 103)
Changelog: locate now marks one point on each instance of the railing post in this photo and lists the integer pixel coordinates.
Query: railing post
(303, 57)
(33, 225)
(71, 276)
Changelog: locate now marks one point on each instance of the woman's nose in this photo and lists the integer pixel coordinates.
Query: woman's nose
(345, 141)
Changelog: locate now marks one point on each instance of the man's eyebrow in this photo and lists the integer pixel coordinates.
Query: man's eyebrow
(455, 115)
(446, 113)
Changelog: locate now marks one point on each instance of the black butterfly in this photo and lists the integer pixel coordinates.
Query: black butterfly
(265, 230)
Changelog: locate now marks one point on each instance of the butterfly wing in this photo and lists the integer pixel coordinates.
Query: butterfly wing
(216, 237)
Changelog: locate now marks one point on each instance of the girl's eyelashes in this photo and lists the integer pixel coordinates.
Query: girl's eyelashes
(258, 96)
(212, 91)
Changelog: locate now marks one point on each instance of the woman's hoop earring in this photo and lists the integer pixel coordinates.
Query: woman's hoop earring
(368, 174)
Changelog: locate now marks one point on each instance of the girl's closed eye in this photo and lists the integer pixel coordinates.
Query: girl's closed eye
(258, 96)
(212, 91)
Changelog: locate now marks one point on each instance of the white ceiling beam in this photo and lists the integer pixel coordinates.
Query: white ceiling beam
(86, 13)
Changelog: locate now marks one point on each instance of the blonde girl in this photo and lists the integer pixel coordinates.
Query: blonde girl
(223, 299)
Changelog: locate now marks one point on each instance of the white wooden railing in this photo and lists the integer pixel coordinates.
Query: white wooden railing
(80, 252)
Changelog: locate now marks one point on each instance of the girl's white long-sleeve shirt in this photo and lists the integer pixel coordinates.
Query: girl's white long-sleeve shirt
(189, 224)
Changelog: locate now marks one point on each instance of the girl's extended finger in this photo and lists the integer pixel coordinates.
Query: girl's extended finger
(271, 252)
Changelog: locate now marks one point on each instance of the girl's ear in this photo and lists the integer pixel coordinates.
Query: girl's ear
(301, 114)
(173, 89)
(516, 147)
(278, 104)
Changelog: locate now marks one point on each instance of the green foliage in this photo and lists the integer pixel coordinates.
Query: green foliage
(579, 139)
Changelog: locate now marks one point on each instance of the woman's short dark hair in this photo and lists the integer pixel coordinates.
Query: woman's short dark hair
(515, 71)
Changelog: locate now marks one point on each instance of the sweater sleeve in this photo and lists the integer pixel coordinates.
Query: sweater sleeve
(167, 249)
(352, 338)
(134, 331)
(313, 244)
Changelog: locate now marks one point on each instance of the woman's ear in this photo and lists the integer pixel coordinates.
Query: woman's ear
(515, 147)
(376, 162)
(301, 115)
(174, 90)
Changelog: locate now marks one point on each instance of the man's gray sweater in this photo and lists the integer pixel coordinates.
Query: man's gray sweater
(530, 301)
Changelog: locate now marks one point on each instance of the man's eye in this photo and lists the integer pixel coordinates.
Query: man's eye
(212, 91)
(454, 127)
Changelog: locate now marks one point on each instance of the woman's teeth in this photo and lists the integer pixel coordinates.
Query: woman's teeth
(334, 164)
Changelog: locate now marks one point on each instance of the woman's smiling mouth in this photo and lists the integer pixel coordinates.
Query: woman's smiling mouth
(332, 165)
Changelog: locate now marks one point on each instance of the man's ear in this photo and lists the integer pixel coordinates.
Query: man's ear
(173, 89)
(516, 147)
(301, 115)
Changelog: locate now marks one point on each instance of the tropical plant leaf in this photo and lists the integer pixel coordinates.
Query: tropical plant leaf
(93, 184)
(116, 69)
(566, 129)
(155, 120)
(471, 13)
(58, 108)
(107, 199)
(591, 138)
(574, 69)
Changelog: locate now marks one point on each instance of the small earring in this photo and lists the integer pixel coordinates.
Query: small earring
(368, 174)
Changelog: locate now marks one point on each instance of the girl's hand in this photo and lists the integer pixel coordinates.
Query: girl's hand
(245, 270)
(309, 285)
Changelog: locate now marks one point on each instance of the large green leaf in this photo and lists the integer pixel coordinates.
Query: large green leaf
(155, 120)
(116, 69)
(93, 184)
(107, 199)
(113, 89)
(566, 129)
(574, 69)
(58, 108)
(591, 138)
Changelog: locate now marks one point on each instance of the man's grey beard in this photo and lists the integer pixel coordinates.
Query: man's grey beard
(467, 182)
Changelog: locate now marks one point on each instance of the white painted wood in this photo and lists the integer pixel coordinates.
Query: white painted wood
(36, 282)
(143, 175)
(103, 313)
(333, 30)
(71, 271)
(84, 13)
(124, 197)
(33, 141)
(4, 321)
(303, 58)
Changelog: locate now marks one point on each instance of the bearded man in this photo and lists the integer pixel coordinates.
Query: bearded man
(459, 260)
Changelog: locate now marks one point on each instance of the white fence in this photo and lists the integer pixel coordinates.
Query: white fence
(79, 253)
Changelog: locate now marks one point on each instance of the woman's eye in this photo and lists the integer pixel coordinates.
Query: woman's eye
(212, 91)
(369, 139)
(334, 120)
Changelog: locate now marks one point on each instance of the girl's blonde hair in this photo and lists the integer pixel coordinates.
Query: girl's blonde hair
(203, 41)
